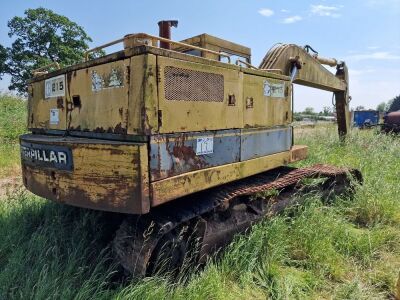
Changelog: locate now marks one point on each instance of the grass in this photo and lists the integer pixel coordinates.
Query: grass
(347, 250)
(12, 124)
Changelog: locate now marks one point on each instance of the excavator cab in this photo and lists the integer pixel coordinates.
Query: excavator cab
(234, 51)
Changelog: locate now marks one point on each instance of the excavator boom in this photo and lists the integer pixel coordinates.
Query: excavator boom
(308, 70)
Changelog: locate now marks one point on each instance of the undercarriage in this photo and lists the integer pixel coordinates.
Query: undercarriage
(186, 232)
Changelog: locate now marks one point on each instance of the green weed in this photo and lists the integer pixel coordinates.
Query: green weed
(349, 249)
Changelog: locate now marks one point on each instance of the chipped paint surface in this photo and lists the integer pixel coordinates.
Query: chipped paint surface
(114, 79)
(187, 145)
(106, 175)
(174, 154)
(261, 142)
(276, 90)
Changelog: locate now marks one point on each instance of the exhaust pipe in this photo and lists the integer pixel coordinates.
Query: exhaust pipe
(165, 31)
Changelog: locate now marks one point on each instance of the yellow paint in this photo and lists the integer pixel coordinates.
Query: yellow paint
(171, 188)
(143, 99)
(39, 108)
(266, 111)
(216, 44)
(185, 116)
(104, 109)
(111, 176)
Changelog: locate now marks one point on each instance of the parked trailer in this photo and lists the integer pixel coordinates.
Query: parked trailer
(365, 118)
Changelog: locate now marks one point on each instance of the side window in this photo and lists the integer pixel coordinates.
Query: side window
(194, 52)
(234, 58)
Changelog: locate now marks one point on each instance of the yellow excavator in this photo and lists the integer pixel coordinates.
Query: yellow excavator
(182, 139)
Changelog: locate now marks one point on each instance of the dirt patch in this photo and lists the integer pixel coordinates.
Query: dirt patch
(9, 184)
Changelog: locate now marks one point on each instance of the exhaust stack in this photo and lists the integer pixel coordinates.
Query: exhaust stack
(165, 31)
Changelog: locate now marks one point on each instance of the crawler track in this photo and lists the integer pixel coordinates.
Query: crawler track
(165, 236)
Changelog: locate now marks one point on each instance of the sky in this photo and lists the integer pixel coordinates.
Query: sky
(363, 33)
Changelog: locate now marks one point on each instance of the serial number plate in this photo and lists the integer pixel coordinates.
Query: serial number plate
(48, 156)
(54, 87)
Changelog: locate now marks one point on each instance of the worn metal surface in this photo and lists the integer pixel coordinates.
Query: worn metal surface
(298, 152)
(143, 96)
(40, 107)
(184, 116)
(264, 141)
(99, 98)
(313, 74)
(174, 187)
(267, 110)
(174, 154)
(106, 175)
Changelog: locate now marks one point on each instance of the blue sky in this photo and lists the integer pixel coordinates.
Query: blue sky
(364, 33)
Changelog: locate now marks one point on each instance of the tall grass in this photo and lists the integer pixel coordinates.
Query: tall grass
(12, 124)
(346, 250)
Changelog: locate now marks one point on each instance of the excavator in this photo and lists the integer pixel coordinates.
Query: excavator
(184, 141)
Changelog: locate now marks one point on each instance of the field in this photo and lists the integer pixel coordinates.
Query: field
(346, 250)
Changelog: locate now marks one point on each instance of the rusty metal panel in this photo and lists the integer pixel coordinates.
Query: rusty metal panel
(264, 141)
(98, 174)
(143, 95)
(174, 154)
(184, 116)
(266, 101)
(99, 98)
(174, 187)
(47, 108)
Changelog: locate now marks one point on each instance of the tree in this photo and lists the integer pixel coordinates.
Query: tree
(360, 107)
(308, 111)
(3, 58)
(381, 107)
(41, 37)
(326, 111)
(394, 104)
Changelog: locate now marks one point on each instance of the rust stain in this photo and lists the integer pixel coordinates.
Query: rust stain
(76, 129)
(99, 130)
(119, 129)
(60, 103)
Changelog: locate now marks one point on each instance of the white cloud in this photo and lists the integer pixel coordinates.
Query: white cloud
(387, 4)
(375, 55)
(325, 11)
(266, 12)
(285, 10)
(373, 47)
(356, 72)
(292, 19)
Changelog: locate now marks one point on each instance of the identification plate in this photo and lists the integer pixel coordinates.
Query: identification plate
(54, 87)
(276, 90)
(54, 116)
(205, 145)
(50, 156)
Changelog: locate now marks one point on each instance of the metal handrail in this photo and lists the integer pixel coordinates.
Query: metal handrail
(238, 62)
(145, 35)
(39, 71)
